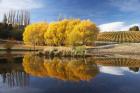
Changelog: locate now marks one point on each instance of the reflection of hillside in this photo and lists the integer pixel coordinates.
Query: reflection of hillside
(73, 70)
(135, 69)
(121, 62)
(12, 73)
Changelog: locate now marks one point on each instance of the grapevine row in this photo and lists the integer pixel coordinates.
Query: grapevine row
(123, 36)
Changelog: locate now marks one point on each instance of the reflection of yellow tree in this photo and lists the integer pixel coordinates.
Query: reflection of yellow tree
(73, 70)
(34, 65)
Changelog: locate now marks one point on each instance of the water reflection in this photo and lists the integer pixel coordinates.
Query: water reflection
(35, 74)
(132, 64)
(63, 69)
(123, 62)
(16, 79)
(12, 73)
(135, 69)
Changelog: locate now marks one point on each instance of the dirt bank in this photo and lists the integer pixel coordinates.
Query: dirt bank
(127, 48)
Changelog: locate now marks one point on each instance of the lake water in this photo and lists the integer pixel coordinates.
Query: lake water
(100, 74)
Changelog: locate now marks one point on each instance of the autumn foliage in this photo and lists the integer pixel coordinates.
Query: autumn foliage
(34, 33)
(64, 32)
(69, 70)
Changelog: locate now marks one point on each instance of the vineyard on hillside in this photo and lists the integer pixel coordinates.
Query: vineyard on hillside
(122, 36)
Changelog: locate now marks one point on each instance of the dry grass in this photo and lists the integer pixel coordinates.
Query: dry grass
(128, 48)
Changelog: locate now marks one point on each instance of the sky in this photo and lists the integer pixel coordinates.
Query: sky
(109, 15)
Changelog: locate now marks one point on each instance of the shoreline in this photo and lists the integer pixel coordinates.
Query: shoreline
(124, 49)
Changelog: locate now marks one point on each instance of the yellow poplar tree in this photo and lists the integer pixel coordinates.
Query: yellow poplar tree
(71, 32)
(70, 26)
(85, 33)
(55, 34)
(34, 33)
(50, 35)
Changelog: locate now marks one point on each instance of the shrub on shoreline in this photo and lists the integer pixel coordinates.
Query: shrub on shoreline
(79, 51)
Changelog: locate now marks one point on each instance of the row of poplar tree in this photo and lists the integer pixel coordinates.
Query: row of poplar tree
(13, 24)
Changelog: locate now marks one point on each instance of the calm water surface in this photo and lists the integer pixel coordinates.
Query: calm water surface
(33, 74)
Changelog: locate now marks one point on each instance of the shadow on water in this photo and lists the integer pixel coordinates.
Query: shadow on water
(21, 71)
